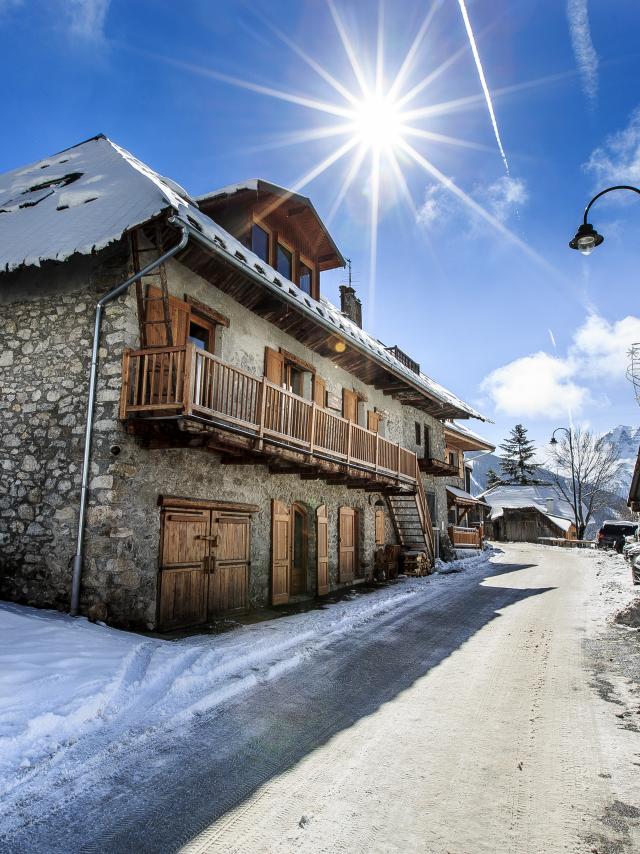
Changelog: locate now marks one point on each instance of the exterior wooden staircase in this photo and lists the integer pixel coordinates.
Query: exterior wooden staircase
(412, 521)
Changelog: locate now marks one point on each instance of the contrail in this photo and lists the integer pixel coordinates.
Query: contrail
(553, 340)
(483, 83)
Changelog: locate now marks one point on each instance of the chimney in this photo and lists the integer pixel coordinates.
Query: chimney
(350, 305)
(550, 503)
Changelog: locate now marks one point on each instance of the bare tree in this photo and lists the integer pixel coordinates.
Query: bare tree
(596, 467)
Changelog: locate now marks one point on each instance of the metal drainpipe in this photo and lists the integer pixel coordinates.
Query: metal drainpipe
(84, 490)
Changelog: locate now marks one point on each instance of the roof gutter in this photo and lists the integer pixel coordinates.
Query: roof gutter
(93, 375)
(212, 246)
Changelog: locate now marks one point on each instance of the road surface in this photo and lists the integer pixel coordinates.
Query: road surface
(498, 717)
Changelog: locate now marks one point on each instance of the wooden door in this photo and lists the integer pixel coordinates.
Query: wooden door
(347, 550)
(229, 564)
(350, 405)
(319, 391)
(183, 570)
(280, 552)
(273, 366)
(322, 550)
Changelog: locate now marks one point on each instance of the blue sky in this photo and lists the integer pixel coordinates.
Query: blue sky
(501, 312)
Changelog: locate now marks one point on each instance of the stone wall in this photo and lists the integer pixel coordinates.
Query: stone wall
(45, 345)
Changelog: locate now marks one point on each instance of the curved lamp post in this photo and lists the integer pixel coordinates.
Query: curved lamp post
(587, 238)
(553, 442)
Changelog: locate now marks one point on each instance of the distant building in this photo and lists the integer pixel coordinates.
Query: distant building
(526, 513)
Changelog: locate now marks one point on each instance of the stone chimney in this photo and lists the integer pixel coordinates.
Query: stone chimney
(350, 305)
(549, 502)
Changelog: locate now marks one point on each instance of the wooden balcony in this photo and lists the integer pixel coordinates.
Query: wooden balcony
(438, 468)
(167, 384)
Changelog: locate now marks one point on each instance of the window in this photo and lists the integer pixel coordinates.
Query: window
(294, 379)
(305, 278)
(467, 479)
(202, 333)
(283, 261)
(418, 434)
(427, 441)
(453, 458)
(260, 242)
(431, 504)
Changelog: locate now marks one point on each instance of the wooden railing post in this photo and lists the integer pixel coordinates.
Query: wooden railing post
(189, 378)
(377, 451)
(124, 390)
(398, 461)
(349, 431)
(312, 431)
(262, 406)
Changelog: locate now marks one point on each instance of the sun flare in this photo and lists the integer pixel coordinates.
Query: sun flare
(378, 122)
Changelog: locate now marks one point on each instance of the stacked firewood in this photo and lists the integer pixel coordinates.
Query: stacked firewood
(416, 563)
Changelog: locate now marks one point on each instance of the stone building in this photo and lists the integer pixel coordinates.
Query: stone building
(248, 443)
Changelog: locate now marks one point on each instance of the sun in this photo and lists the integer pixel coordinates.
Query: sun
(377, 122)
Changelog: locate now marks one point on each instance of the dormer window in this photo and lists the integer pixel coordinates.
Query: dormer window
(284, 262)
(260, 242)
(305, 278)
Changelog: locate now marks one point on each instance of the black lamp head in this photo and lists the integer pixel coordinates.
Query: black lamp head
(553, 441)
(586, 239)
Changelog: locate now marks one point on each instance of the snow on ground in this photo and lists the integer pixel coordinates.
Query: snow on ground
(69, 688)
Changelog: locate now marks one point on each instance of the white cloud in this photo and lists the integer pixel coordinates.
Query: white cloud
(602, 348)
(87, 18)
(540, 385)
(504, 196)
(618, 160)
(583, 49)
(501, 199)
(534, 386)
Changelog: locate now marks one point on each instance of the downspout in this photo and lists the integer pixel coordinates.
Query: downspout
(88, 431)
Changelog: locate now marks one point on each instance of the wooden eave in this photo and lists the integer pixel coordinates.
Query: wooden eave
(287, 205)
(237, 279)
(437, 468)
(458, 442)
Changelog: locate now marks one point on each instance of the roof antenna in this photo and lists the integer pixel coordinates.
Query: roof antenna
(348, 260)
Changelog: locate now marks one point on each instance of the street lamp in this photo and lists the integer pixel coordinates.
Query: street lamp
(553, 442)
(587, 238)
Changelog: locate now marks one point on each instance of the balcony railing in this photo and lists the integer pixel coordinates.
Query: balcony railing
(187, 381)
(466, 538)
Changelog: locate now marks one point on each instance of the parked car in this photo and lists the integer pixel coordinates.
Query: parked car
(635, 569)
(613, 532)
(631, 548)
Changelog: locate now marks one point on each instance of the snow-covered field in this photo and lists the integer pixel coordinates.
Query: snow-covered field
(70, 689)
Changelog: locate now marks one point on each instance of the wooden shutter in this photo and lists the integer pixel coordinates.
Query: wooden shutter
(319, 391)
(180, 313)
(350, 405)
(380, 538)
(373, 421)
(347, 544)
(273, 366)
(280, 552)
(322, 549)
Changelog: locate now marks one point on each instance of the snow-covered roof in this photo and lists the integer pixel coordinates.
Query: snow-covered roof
(462, 495)
(87, 197)
(471, 440)
(78, 201)
(543, 498)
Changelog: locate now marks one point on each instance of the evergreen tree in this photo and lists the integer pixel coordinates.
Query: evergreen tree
(517, 464)
(493, 478)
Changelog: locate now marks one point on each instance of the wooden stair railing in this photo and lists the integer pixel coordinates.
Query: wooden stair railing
(425, 515)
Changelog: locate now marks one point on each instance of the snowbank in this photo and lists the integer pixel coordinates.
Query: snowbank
(70, 689)
(466, 559)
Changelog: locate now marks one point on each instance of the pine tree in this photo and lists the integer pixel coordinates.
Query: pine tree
(493, 478)
(517, 464)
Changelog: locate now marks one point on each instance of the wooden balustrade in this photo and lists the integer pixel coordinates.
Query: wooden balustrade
(465, 538)
(185, 380)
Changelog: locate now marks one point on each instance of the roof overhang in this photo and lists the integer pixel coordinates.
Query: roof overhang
(284, 305)
(465, 440)
(464, 499)
(286, 202)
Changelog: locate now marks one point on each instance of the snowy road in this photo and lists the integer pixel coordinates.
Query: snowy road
(496, 714)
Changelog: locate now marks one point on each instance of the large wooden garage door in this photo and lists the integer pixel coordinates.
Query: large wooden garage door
(347, 544)
(204, 564)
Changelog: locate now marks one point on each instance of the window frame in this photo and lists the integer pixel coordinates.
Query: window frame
(288, 248)
(268, 231)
